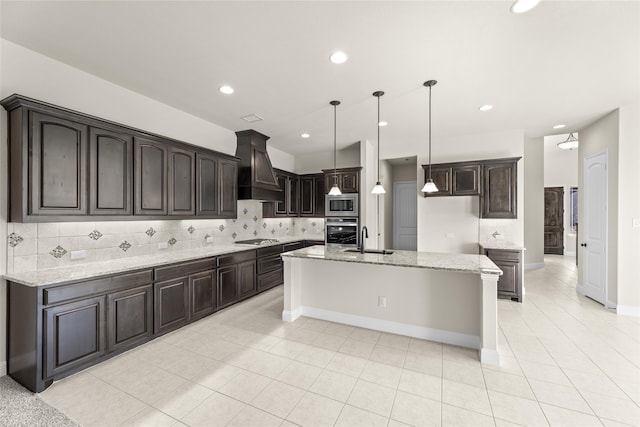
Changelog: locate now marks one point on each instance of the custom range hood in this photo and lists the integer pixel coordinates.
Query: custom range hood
(256, 178)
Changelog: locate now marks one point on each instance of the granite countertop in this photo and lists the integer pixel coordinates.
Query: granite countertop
(501, 244)
(464, 263)
(92, 270)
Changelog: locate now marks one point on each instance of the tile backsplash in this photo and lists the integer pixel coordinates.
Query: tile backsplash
(47, 245)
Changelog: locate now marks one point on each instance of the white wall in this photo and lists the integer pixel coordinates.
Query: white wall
(628, 209)
(561, 170)
(534, 202)
(368, 201)
(37, 76)
(315, 162)
(385, 239)
(432, 223)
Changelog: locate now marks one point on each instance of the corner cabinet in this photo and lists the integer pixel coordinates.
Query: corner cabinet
(499, 188)
(69, 166)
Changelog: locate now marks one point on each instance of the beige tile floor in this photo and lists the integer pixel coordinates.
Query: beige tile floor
(566, 361)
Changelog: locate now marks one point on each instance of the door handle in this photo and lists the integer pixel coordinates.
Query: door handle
(584, 245)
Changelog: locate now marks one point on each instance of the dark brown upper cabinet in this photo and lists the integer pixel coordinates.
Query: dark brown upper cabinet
(182, 165)
(151, 191)
(454, 179)
(312, 195)
(289, 203)
(348, 179)
(499, 188)
(48, 165)
(228, 188)
(110, 165)
(69, 166)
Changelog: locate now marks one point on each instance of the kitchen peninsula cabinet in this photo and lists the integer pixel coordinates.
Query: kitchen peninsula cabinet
(69, 166)
(510, 262)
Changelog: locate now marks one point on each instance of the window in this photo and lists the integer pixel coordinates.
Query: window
(573, 208)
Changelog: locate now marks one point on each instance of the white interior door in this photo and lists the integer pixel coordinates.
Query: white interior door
(405, 216)
(594, 237)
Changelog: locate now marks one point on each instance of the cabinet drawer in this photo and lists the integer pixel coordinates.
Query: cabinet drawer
(503, 255)
(269, 251)
(58, 294)
(292, 246)
(269, 263)
(269, 280)
(183, 269)
(236, 258)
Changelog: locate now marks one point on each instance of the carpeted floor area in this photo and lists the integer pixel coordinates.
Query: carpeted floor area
(20, 407)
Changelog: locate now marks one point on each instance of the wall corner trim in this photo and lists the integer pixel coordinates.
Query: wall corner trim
(3, 369)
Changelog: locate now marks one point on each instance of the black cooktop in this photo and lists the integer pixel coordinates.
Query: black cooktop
(257, 242)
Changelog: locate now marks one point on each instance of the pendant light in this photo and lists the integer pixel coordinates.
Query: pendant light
(378, 188)
(569, 144)
(335, 190)
(430, 186)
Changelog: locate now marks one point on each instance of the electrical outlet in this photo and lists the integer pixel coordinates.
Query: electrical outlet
(382, 302)
(78, 254)
(163, 245)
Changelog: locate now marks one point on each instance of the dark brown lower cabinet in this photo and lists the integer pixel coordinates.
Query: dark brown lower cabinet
(203, 289)
(130, 317)
(510, 262)
(171, 304)
(227, 285)
(236, 277)
(75, 335)
(247, 278)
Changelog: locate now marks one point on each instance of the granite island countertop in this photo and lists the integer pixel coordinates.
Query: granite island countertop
(501, 244)
(461, 263)
(78, 272)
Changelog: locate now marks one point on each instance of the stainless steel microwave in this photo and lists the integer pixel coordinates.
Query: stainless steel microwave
(342, 205)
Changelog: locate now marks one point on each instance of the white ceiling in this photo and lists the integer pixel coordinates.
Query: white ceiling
(564, 62)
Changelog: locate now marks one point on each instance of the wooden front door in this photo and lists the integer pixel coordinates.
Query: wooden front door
(553, 220)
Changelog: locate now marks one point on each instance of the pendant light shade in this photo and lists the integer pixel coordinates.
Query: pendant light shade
(335, 190)
(430, 186)
(569, 144)
(378, 188)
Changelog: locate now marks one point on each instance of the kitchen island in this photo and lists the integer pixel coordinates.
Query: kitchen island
(449, 298)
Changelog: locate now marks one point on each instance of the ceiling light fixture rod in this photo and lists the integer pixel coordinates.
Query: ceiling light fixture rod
(335, 190)
(430, 186)
(378, 188)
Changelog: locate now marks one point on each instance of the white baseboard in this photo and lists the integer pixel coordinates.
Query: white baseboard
(628, 310)
(534, 265)
(290, 316)
(489, 357)
(447, 337)
(3, 369)
(610, 304)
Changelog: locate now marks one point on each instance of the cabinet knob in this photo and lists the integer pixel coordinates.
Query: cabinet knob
(584, 245)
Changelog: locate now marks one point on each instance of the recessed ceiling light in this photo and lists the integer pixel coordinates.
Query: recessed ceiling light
(486, 107)
(305, 135)
(559, 126)
(522, 6)
(251, 118)
(338, 57)
(227, 90)
(382, 123)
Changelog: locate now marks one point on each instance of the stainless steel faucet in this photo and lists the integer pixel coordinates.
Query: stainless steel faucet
(364, 234)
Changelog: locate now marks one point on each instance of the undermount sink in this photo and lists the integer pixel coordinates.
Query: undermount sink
(372, 251)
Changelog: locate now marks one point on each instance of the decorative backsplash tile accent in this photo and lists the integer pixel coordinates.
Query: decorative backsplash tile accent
(255, 218)
(303, 229)
(172, 241)
(34, 250)
(14, 240)
(58, 252)
(125, 246)
(191, 229)
(95, 235)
